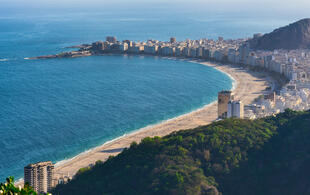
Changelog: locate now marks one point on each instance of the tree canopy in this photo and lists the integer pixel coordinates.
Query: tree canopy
(233, 156)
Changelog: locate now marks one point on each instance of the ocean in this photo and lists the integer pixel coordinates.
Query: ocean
(55, 109)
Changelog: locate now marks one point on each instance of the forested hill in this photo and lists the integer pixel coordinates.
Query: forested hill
(265, 156)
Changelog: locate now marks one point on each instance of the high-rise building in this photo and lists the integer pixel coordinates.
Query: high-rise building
(39, 176)
(235, 109)
(206, 53)
(122, 47)
(271, 96)
(223, 98)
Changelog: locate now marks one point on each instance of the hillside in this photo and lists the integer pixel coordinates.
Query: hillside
(265, 156)
(293, 36)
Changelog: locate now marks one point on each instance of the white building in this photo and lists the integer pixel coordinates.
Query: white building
(235, 109)
(123, 47)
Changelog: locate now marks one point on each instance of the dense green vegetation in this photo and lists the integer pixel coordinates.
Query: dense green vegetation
(265, 156)
(8, 188)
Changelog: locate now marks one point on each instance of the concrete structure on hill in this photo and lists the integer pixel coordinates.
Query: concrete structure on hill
(223, 98)
(40, 176)
(235, 109)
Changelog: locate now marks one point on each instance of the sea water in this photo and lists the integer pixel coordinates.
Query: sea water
(57, 108)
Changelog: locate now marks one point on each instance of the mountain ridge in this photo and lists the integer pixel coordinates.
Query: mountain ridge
(293, 36)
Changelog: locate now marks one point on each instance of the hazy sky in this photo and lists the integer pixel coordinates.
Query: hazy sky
(300, 7)
(261, 3)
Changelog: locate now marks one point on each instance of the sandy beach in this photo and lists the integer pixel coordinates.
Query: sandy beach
(248, 86)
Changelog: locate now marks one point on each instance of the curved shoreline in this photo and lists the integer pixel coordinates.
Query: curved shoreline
(247, 88)
(246, 91)
(64, 162)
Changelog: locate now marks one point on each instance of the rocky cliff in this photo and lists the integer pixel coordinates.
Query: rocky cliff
(293, 36)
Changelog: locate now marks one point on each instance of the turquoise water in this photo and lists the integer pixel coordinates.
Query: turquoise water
(55, 109)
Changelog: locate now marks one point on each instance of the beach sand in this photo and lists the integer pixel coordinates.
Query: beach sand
(249, 85)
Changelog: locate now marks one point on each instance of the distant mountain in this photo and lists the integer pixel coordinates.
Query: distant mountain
(293, 36)
(268, 156)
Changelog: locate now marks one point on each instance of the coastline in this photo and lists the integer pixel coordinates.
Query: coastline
(246, 86)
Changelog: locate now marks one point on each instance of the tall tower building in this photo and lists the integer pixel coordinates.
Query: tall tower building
(223, 98)
(235, 109)
(39, 176)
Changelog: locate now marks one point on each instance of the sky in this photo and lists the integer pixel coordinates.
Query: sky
(226, 3)
(261, 7)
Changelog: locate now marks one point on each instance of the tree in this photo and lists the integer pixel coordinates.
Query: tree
(9, 188)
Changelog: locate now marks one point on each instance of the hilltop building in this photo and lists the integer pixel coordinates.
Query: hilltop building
(223, 98)
(39, 176)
